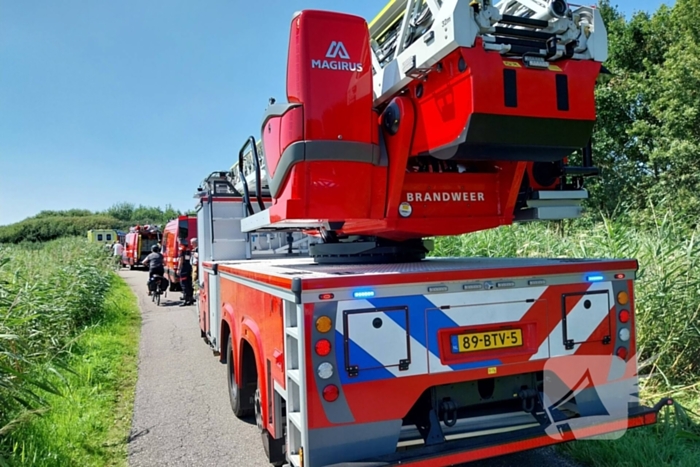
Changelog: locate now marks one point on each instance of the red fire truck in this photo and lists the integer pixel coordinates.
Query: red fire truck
(179, 229)
(138, 243)
(436, 119)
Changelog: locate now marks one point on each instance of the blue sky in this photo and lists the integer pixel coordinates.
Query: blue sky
(110, 101)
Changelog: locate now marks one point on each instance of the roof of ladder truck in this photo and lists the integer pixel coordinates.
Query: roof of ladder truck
(461, 273)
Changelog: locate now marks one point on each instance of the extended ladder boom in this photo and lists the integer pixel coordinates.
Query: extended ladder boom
(410, 37)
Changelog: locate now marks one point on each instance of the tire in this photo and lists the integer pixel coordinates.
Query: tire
(234, 391)
(158, 299)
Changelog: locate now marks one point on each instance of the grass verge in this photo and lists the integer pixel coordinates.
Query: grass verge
(663, 444)
(88, 425)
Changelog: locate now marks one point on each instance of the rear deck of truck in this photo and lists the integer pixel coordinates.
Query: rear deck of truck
(410, 362)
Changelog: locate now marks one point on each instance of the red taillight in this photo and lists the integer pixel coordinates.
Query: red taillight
(330, 393)
(622, 353)
(624, 316)
(323, 347)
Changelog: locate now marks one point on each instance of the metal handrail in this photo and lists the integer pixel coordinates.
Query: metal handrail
(256, 161)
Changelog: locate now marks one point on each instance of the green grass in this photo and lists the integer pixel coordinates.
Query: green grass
(673, 441)
(663, 444)
(89, 424)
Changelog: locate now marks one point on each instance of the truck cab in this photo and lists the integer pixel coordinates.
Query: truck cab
(138, 243)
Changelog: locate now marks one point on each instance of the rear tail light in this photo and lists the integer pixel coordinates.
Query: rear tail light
(622, 353)
(323, 347)
(331, 393)
(624, 316)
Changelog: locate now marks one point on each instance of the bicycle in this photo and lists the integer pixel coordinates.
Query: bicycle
(155, 295)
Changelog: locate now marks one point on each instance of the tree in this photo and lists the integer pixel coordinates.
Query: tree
(121, 211)
(647, 133)
(170, 213)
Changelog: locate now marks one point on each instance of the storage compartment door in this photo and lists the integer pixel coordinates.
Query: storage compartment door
(585, 324)
(376, 338)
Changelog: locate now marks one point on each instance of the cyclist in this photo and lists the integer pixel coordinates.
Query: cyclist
(155, 265)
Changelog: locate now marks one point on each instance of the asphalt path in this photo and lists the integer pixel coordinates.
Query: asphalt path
(182, 415)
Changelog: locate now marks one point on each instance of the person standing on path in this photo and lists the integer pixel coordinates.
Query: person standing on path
(194, 261)
(118, 250)
(184, 272)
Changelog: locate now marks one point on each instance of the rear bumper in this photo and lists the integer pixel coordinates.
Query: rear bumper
(469, 450)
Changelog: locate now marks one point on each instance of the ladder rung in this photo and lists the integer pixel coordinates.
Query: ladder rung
(293, 332)
(294, 459)
(295, 418)
(294, 376)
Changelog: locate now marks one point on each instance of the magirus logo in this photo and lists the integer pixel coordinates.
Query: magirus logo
(337, 50)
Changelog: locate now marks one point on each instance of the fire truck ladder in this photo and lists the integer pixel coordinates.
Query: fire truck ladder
(410, 37)
(295, 373)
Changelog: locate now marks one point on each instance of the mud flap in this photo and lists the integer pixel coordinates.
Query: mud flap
(274, 448)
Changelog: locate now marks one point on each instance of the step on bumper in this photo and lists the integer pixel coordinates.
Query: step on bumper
(468, 450)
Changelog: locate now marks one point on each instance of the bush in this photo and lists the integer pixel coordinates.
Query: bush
(47, 228)
(50, 225)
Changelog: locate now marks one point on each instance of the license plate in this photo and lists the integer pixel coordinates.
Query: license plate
(487, 340)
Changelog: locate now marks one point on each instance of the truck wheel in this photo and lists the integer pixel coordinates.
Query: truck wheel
(234, 392)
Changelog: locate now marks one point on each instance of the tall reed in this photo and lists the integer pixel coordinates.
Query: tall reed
(48, 293)
(667, 291)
